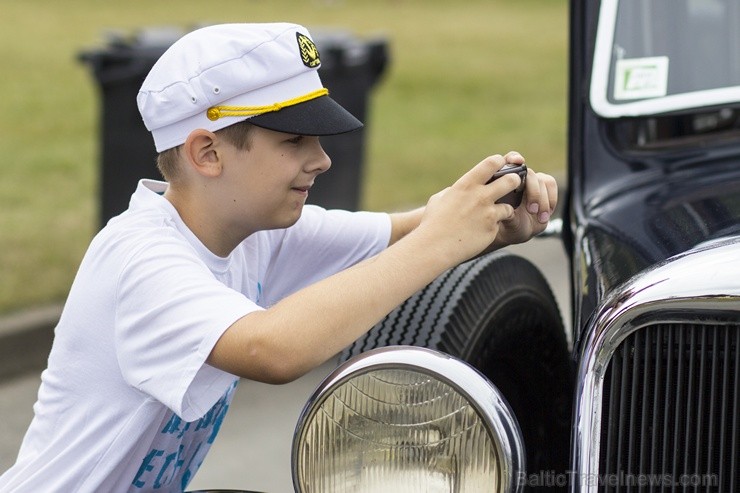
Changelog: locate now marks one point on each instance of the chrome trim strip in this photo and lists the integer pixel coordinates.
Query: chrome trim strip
(482, 394)
(690, 286)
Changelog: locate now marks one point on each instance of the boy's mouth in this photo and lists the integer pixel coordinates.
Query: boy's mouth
(302, 190)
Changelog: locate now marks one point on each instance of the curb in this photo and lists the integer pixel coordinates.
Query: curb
(25, 340)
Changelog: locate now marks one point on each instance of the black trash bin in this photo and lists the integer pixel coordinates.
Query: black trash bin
(350, 67)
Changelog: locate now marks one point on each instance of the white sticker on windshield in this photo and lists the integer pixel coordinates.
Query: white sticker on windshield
(639, 78)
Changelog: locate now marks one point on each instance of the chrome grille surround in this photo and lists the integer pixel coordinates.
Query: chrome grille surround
(699, 286)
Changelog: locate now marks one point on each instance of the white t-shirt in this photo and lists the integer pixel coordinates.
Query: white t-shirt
(127, 402)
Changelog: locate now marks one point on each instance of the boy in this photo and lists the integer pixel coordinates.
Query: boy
(221, 272)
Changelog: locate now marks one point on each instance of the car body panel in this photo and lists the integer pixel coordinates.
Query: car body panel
(628, 205)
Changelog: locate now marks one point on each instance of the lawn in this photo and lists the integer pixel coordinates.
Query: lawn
(464, 80)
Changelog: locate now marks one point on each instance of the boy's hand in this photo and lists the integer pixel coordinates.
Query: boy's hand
(464, 219)
(538, 204)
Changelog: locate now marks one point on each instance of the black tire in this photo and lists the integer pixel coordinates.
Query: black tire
(497, 312)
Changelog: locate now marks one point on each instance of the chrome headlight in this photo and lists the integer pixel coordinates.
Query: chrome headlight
(407, 419)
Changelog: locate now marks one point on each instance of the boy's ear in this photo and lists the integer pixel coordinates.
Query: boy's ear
(201, 153)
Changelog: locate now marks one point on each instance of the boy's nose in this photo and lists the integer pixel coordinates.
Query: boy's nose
(321, 162)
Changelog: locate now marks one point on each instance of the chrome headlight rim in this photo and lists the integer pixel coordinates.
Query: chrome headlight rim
(485, 398)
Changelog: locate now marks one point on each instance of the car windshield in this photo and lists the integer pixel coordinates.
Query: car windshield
(658, 56)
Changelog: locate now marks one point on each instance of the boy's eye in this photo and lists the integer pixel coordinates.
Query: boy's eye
(296, 139)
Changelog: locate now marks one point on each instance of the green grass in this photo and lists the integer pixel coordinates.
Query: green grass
(465, 79)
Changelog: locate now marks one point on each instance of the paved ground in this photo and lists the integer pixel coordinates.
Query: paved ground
(253, 447)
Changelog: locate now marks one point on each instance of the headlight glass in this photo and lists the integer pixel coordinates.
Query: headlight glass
(397, 428)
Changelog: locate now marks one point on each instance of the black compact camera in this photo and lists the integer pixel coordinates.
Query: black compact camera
(513, 198)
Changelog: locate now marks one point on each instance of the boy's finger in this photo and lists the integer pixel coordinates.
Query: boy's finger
(544, 195)
(513, 157)
(533, 192)
(483, 171)
(551, 186)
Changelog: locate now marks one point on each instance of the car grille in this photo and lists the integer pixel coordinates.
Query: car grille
(670, 410)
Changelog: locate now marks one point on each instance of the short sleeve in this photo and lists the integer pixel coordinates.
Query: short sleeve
(170, 313)
(322, 243)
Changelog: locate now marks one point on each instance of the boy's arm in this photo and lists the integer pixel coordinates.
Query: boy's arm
(305, 329)
(403, 223)
(283, 342)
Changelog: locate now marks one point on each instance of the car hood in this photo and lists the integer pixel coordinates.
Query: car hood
(648, 218)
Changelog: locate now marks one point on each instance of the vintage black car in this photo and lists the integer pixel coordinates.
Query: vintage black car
(480, 390)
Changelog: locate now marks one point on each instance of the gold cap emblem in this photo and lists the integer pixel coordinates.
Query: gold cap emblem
(309, 52)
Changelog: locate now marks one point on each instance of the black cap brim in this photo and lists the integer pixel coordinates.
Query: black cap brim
(319, 116)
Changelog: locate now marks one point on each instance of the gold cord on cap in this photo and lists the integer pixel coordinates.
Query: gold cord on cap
(216, 112)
